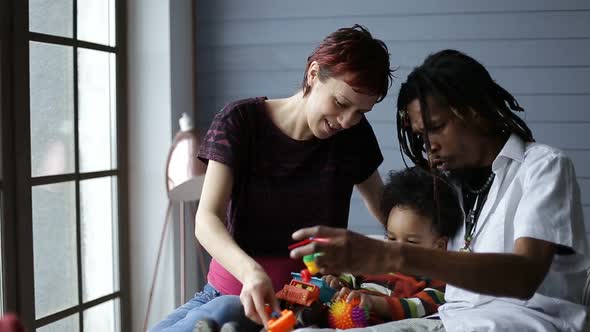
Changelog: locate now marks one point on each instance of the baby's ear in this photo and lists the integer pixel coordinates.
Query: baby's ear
(441, 243)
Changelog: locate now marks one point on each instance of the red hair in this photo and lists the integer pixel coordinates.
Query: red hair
(355, 51)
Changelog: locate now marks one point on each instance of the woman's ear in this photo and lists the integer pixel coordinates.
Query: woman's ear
(441, 243)
(312, 73)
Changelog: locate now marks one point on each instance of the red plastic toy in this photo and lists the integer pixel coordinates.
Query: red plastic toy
(306, 241)
(299, 292)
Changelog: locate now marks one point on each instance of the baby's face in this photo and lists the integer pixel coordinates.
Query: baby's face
(406, 226)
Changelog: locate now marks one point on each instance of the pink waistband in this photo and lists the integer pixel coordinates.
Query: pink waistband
(278, 269)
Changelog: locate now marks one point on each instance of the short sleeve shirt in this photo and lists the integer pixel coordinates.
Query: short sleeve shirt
(535, 194)
(282, 184)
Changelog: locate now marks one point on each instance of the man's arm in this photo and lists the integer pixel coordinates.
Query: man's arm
(517, 274)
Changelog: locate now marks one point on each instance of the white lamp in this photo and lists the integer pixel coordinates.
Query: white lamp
(184, 171)
(185, 174)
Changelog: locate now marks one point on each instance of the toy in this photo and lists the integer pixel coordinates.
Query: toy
(326, 292)
(309, 261)
(302, 294)
(299, 292)
(283, 322)
(347, 315)
(306, 241)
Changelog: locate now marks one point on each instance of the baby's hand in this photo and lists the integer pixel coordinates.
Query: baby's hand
(332, 281)
(348, 295)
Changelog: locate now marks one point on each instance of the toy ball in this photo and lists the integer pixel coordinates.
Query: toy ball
(344, 315)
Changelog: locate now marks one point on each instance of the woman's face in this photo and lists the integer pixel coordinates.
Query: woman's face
(453, 145)
(332, 105)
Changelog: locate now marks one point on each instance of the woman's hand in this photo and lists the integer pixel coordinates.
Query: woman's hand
(257, 291)
(346, 251)
(332, 281)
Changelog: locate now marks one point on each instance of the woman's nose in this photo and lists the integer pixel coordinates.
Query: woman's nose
(347, 119)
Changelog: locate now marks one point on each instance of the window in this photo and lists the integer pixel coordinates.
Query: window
(1, 190)
(68, 56)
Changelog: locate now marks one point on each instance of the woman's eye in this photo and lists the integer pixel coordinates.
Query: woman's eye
(339, 104)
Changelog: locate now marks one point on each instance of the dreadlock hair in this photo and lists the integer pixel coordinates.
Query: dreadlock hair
(457, 81)
(414, 189)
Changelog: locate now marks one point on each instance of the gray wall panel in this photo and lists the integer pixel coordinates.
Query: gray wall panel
(538, 50)
(525, 81)
(228, 10)
(480, 26)
(493, 53)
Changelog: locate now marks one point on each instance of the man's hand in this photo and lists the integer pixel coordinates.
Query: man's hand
(346, 251)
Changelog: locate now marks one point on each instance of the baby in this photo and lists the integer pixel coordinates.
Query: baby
(418, 216)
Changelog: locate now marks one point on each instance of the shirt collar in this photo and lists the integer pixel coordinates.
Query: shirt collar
(513, 149)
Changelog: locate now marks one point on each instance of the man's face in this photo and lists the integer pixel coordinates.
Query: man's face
(452, 144)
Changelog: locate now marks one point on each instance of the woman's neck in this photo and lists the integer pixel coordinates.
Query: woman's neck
(289, 115)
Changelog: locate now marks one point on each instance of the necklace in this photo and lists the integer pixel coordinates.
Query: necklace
(472, 217)
(484, 187)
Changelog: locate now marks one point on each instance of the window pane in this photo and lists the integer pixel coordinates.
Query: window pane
(98, 216)
(102, 318)
(97, 112)
(1, 190)
(52, 112)
(54, 248)
(70, 324)
(1, 246)
(1, 137)
(96, 21)
(52, 17)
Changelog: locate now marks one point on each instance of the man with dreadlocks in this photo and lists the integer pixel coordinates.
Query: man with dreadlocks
(519, 261)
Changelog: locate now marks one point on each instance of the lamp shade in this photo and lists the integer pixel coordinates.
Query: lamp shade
(185, 173)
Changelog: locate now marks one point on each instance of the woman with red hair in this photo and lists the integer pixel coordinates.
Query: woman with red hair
(277, 165)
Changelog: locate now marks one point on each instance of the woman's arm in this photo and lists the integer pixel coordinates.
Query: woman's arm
(211, 232)
(370, 190)
(210, 221)
(517, 274)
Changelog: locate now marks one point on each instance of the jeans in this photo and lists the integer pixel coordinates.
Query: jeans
(208, 304)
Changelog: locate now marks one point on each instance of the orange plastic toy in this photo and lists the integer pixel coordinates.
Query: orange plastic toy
(283, 323)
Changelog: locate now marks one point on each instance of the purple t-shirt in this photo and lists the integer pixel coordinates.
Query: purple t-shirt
(282, 184)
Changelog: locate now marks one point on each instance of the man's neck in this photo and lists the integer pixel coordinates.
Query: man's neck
(491, 147)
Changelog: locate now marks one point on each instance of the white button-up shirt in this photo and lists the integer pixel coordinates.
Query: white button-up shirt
(534, 194)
